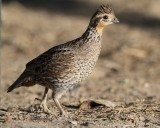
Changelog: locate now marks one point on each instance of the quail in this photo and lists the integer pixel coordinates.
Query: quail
(64, 66)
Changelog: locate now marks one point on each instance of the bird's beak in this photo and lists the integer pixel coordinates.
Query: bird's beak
(116, 21)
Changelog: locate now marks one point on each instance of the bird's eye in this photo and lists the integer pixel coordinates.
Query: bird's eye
(105, 17)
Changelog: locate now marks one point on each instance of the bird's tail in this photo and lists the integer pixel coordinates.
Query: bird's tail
(25, 79)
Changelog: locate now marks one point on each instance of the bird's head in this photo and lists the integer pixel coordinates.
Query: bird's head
(102, 17)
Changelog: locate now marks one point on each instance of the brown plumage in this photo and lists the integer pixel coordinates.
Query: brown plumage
(63, 66)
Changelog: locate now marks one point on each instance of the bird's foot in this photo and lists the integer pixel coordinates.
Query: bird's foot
(45, 108)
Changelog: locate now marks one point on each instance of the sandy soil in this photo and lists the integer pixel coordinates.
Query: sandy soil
(127, 72)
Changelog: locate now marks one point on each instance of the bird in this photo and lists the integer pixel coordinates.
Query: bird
(64, 66)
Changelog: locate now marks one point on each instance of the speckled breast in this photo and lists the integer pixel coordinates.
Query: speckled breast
(90, 60)
(85, 62)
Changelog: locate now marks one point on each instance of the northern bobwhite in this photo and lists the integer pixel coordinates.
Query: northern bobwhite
(64, 66)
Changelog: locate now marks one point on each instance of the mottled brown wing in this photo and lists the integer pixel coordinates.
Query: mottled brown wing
(56, 62)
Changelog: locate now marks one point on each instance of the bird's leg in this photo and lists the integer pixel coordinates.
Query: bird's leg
(58, 105)
(44, 102)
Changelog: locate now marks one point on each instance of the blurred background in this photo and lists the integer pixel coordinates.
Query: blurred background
(129, 64)
(128, 69)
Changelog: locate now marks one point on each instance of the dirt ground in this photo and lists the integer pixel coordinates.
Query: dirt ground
(128, 70)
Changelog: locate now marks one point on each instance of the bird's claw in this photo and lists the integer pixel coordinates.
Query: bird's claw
(45, 108)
